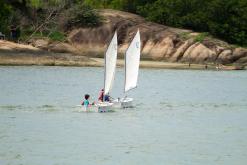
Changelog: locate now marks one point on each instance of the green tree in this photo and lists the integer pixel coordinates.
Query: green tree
(225, 19)
(228, 20)
(82, 15)
(5, 13)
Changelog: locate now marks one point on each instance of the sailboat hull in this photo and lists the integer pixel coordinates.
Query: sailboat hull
(88, 109)
(105, 107)
(99, 107)
(123, 103)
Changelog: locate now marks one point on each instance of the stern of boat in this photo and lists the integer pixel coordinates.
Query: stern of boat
(105, 106)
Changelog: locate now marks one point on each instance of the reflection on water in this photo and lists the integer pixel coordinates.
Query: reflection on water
(180, 117)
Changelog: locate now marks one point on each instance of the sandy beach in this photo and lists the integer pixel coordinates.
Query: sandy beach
(19, 54)
(61, 59)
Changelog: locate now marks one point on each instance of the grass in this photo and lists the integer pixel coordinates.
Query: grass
(57, 36)
(184, 35)
(54, 36)
(197, 38)
(200, 37)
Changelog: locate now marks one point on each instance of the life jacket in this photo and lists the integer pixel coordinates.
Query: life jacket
(106, 98)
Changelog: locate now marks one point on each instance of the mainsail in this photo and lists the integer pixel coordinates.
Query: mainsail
(132, 61)
(110, 64)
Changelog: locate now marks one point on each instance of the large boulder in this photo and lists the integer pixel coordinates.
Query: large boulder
(225, 57)
(198, 53)
(162, 49)
(41, 43)
(180, 51)
(60, 47)
(239, 53)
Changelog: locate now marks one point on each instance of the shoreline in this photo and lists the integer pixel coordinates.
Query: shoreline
(64, 59)
(14, 54)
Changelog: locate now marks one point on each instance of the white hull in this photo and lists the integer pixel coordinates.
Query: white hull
(105, 107)
(99, 107)
(123, 103)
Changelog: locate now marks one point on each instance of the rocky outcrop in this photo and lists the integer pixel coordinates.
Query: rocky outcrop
(199, 53)
(20, 54)
(179, 53)
(226, 56)
(159, 42)
(41, 43)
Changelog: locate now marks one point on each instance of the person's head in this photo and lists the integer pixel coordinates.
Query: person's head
(87, 96)
(102, 89)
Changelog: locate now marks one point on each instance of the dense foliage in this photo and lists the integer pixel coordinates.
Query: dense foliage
(5, 13)
(225, 19)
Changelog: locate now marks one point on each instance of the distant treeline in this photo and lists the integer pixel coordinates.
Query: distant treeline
(224, 19)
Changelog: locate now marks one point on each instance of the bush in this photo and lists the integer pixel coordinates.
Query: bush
(81, 15)
(5, 13)
(200, 37)
(57, 36)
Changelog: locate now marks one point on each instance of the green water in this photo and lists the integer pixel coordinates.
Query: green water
(180, 117)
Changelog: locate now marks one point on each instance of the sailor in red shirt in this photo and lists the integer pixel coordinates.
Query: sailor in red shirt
(101, 95)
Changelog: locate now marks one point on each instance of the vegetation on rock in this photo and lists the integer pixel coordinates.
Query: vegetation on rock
(224, 19)
(49, 19)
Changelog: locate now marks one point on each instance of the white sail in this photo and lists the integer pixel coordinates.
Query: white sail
(110, 64)
(132, 61)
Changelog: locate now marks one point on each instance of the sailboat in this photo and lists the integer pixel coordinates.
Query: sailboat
(109, 72)
(132, 61)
